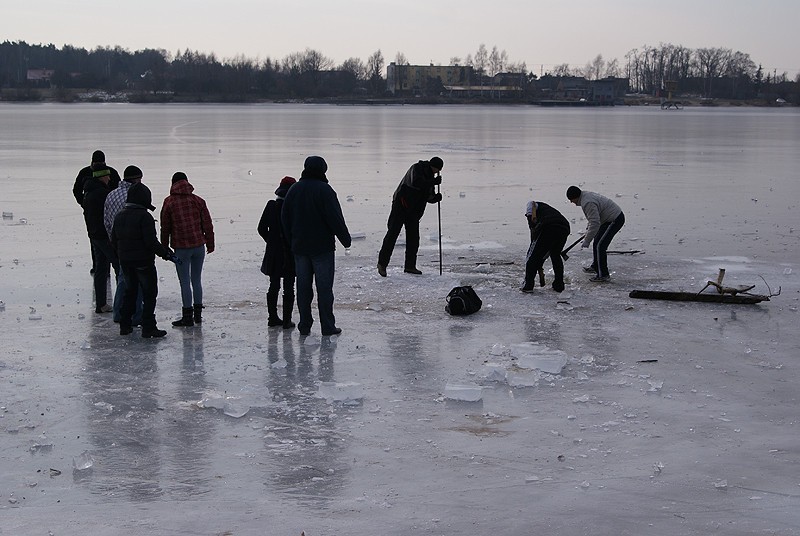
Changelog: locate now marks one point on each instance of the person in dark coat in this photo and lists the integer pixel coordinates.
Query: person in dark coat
(549, 232)
(278, 261)
(409, 200)
(312, 219)
(94, 200)
(81, 180)
(136, 243)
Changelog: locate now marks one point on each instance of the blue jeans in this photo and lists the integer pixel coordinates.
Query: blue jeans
(320, 269)
(190, 271)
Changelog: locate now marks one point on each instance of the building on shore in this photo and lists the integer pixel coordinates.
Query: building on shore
(426, 79)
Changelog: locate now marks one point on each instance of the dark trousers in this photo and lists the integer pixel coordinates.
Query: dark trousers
(601, 242)
(398, 218)
(104, 259)
(146, 278)
(550, 243)
(317, 269)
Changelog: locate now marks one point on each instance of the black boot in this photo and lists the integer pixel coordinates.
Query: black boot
(198, 313)
(186, 320)
(154, 332)
(272, 309)
(288, 306)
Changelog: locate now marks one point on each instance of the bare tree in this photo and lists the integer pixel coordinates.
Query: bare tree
(594, 69)
(356, 67)
(314, 61)
(455, 60)
(612, 69)
(711, 63)
(563, 70)
(400, 59)
(481, 60)
(497, 61)
(375, 64)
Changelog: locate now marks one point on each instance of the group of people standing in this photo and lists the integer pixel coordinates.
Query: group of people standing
(122, 233)
(299, 227)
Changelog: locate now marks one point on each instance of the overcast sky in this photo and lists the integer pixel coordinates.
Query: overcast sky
(542, 34)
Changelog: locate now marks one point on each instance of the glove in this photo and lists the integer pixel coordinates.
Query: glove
(437, 180)
(436, 198)
(174, 258)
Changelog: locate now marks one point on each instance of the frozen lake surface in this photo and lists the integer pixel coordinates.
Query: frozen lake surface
(584, 412)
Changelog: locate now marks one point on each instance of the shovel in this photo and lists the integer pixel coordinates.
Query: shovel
(564, 253)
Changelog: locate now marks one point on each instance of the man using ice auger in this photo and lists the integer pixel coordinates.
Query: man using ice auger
(410, 198)
(549, 232)
(605, 220)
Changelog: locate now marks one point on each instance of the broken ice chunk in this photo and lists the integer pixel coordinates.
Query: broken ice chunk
(531, 355)
(463, 392)
(340, 392)
(83, 461)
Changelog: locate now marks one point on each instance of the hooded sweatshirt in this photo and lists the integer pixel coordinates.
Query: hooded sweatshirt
(185, 220)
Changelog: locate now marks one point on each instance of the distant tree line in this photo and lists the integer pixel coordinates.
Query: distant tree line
(150, 73)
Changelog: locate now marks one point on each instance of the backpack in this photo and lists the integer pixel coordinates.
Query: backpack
(462, 301)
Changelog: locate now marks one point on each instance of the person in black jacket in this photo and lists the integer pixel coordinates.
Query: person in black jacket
(94, 200)
(278, 261)
(312, 218)
(136, 243)
(549, 231)
(409, 200)
(82, 179)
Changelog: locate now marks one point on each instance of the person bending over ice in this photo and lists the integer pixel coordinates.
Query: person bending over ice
(549, 232)
(605, 220)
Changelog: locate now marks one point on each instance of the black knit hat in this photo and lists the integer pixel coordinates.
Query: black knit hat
(98, 157)
(131, 174)
(437, 163)
(179, 176)
(573, 192)
(315, 165)
(139, 194)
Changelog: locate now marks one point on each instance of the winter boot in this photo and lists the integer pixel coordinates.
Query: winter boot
(272, 309)
(153, 332)
(186, 320)
(198, 313)
(288, 306)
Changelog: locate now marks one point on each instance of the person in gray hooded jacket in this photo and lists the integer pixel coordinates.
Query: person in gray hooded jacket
(605, 220)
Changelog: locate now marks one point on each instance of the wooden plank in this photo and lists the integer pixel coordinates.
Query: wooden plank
(693, 296)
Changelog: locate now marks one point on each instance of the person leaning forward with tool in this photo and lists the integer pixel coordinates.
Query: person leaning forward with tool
(409, 200)
(605, 220)
(549, 232)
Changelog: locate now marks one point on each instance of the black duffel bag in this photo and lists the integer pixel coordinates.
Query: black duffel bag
(462, 301)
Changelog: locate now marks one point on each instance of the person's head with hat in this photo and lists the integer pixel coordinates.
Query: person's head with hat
(98, 160)
(284, 186)
(139, 194)
(436, 164)
(179, 176)
(314, 167)
(101, 173)
(132, 174)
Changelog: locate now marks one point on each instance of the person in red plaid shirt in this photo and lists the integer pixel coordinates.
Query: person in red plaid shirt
(186, 227)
